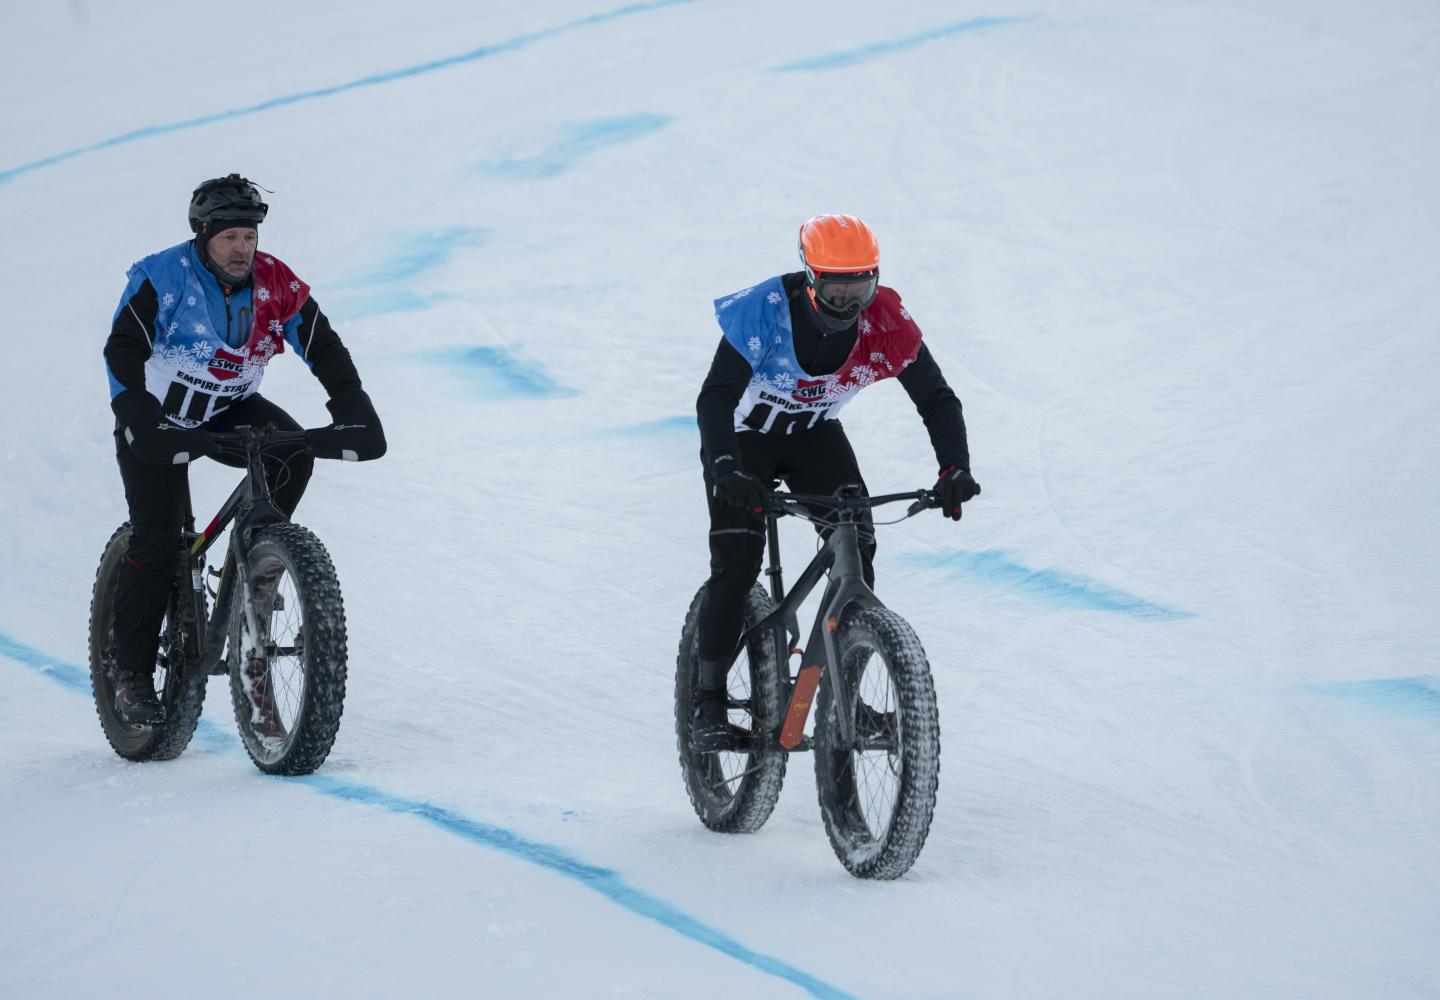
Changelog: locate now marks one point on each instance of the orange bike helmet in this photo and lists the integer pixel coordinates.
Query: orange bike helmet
(842, 265)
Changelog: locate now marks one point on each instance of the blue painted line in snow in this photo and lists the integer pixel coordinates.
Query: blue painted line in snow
(1409, 695)
(876, 50)
(607, 882)
(418, 253)
(65, 674)
(1060, 590)
(500, 375)
(374, 292)
(378, 303)
(684, 424)
(576, 143)
(214, 739)
(374, 79)
(77, 679)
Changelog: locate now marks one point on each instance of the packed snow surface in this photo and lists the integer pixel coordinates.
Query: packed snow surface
(1178, 260)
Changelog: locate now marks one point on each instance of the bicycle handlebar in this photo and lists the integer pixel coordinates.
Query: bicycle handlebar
(784, 503)
(245, 437)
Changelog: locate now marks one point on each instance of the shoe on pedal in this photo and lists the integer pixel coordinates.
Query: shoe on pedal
(135, 701)
(710, 724)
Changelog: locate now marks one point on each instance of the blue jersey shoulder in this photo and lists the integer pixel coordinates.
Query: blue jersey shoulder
(170, 266)
(756, 320)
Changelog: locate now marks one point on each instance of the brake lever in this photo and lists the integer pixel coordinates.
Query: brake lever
(924, 503)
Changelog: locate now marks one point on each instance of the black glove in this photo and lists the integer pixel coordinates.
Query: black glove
(737, 487)
(355, 434)
(954, 487)
(153, 438)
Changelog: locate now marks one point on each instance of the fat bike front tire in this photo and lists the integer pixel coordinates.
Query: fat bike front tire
(288, 653)
(178, 680)
(877, 792)
(734, 792)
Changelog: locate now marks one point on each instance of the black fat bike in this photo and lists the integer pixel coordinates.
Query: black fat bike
(276, 626)
(877, 730)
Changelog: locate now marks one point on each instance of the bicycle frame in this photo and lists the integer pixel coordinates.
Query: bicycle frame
(839, 557)
(251, 506)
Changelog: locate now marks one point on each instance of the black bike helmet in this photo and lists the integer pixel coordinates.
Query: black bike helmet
(231, 198)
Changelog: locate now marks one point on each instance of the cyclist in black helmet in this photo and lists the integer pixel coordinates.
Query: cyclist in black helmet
(188, 346)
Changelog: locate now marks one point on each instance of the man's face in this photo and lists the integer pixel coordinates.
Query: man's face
(233, 250)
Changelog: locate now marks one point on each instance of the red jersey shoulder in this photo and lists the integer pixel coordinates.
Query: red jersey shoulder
(277, 296)
(276, 288)
(887, 329)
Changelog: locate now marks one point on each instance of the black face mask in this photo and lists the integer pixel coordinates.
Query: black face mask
(831, 322)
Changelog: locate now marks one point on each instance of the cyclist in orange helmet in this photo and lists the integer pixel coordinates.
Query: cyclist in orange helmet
(795, 349)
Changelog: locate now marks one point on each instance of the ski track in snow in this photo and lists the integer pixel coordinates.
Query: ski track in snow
(608, 883)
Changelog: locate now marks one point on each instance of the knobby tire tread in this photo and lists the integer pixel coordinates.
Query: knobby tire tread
(894, 854)
(747, 808)
(186, 701)
(323, 614)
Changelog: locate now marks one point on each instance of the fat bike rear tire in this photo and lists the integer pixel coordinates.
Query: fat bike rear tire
(734, 792)
(178, 680)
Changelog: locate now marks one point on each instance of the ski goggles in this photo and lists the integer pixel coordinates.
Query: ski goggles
(845, 293)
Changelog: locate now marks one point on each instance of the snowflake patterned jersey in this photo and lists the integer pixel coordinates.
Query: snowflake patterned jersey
(782, 397)
(192, 370)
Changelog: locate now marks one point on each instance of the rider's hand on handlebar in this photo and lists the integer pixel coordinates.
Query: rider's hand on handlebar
(954, 487)
(356, 434)
(737, 487)
(151, 435)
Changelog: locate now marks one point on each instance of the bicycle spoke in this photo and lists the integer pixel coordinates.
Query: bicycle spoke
(876, 768)
(730, 781)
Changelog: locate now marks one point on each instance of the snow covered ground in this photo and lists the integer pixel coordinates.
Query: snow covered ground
(1179, 261)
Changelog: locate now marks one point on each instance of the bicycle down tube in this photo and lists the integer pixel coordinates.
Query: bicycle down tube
(252, 498)
(839, 555)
